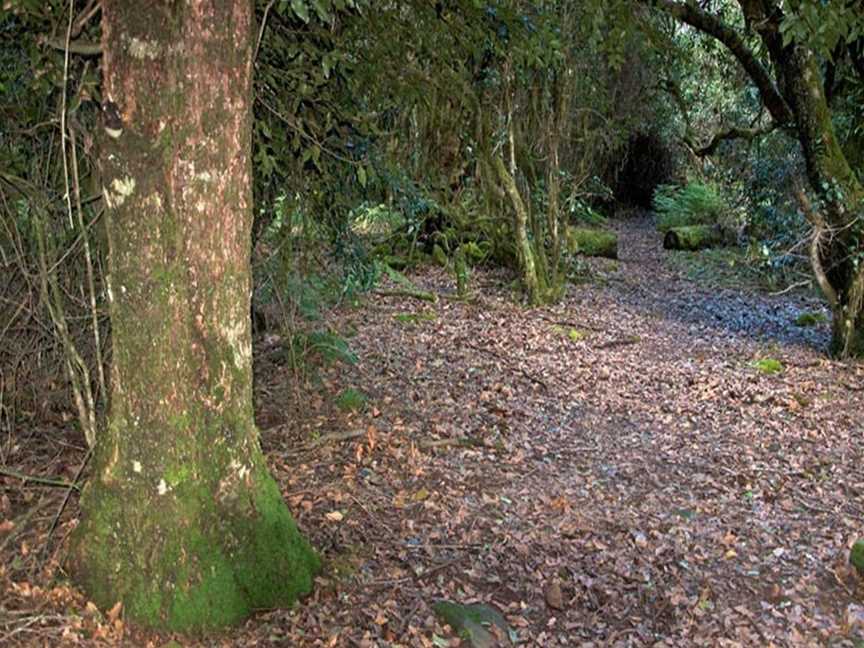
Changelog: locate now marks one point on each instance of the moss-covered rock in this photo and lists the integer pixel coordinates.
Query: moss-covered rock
(591, 242)
(856, 556)
(810, 319)
(693, 237)
(482, 625)
(768, 366)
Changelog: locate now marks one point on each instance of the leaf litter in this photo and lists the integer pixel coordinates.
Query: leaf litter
(638, 484)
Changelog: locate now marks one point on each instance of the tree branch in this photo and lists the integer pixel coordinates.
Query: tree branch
(714, 27)
(819, 228)
(84, 48)
(734, 132)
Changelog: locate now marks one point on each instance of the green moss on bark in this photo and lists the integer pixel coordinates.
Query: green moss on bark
(592, 242)
(200, 560)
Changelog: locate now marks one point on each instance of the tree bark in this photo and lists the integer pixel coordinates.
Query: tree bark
(527, 262)
(181, 520)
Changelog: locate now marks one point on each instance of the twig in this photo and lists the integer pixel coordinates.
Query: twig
(441, 567)
(73, 485)
(45, 481)
(791, 287)
(619, 343)
(336, 437)
(406, 621)
(262, 28)
(524, 372)
(464, 442)
(577, 325)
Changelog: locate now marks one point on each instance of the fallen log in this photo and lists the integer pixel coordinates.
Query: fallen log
(695, 237)
(592, 242)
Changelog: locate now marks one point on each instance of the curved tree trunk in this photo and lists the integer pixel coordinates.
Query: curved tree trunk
(838, 230)
(796, 99)
(181, 520)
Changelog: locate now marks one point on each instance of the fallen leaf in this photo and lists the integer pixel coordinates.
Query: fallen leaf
(553, 595)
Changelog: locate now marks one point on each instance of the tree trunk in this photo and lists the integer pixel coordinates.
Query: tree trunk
(531, 277)
(838, 237)
(181, 520)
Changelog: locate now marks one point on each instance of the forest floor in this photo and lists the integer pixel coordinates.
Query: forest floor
(614, 470)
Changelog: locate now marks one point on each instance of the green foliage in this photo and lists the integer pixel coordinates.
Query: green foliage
(768, 366)
(823, 25)
(328, 346)
(695, 203)
(810, 319)
(573, 334)
(351, 400)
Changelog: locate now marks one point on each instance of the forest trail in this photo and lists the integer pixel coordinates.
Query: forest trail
(608, 471)
(623, 446)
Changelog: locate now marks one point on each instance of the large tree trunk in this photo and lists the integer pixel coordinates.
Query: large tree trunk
(837, 245)
(839, 233)
(181, 520)
(797, 98)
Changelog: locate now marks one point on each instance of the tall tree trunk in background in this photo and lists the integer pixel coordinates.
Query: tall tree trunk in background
(181, 520)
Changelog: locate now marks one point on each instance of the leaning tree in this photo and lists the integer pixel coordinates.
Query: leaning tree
(782, 47)
(181, 520)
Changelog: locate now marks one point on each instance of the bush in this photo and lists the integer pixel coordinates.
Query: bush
(693, 204)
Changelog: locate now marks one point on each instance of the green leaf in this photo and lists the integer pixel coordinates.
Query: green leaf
(301, 9)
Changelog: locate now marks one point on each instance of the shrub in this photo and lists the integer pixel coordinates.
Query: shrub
(351, 400)
(693, 204)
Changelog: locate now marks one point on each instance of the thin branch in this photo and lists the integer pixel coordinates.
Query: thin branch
(36, 479)
(819, 228)
(732, 133)
(84, 48)
(85, 16)
(262, 28)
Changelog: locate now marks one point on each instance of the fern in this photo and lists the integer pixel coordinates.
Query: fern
(692, 204)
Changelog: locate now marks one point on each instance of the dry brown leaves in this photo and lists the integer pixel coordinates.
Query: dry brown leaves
(655, 493)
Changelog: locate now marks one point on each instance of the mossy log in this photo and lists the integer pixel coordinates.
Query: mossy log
(592, 242)
(696, 237)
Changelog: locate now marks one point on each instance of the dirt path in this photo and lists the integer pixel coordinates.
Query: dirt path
(677, 496)
(619, 447)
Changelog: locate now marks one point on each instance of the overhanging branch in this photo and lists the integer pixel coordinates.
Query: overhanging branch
(748, 134)
(712, 26)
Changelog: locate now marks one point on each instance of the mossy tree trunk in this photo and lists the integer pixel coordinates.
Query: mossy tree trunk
(838, 250)
(181, 520)
(795, 98)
